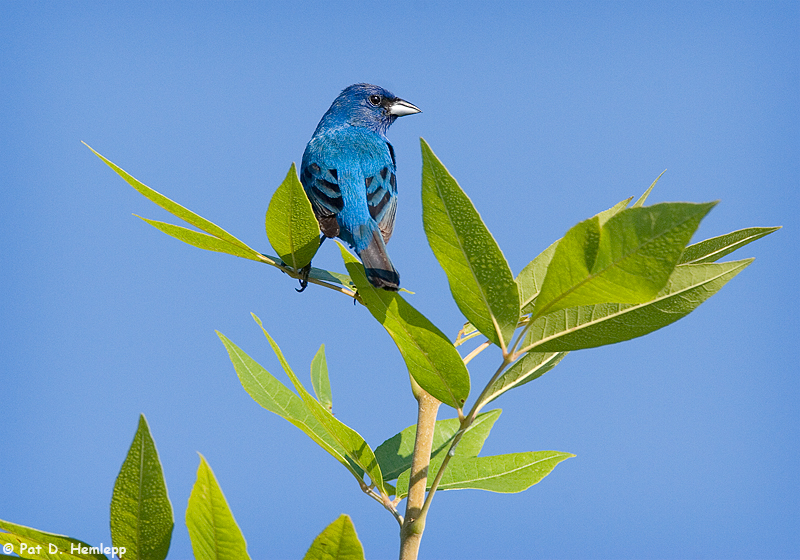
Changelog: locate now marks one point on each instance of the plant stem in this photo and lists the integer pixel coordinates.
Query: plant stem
(477, 351)
(384, 501)
(414, 522)
(297, 275)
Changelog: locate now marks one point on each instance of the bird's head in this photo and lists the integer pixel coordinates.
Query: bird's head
(369, 106)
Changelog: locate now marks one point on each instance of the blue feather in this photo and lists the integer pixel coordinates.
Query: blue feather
(348, 173)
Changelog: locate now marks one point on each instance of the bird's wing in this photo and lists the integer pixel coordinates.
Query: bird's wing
(382, 195)
(322, 186)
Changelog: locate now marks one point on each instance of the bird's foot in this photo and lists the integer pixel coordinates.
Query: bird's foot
(304, 278)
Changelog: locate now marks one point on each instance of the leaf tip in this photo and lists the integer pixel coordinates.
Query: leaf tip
(257, 319)
(425, 146)
(92, 149)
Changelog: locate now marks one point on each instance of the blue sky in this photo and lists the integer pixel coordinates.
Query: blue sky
(546, 113)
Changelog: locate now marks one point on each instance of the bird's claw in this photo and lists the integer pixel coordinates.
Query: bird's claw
(304, 278)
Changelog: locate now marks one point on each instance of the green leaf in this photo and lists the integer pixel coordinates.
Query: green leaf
(212, 528)
(319, 379)
(204, 241)
(431, 359)
(531, 277)
(507, 474)
(626, 260)
(711, 250)
(395, 453)
(174, 208)
(530, 366)
(597, 325)
(480, 279)
(639, 203)
(338, 541)
(332, 278)
(273, 395)
(26, 542)
(351, 441)
(291, 226)
(216, 238)
(141, 513)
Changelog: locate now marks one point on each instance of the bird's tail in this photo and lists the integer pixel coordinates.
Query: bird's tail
(377, 265)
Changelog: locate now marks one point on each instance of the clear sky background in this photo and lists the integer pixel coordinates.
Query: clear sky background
(546, 113)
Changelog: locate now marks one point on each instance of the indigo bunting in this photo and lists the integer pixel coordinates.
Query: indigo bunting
(348, 174)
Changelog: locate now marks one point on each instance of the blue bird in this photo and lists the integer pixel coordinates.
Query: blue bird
(348, 174)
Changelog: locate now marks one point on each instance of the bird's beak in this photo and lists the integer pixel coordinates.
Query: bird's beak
(400, 108)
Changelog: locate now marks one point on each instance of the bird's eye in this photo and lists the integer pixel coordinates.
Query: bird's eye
(375, 99)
